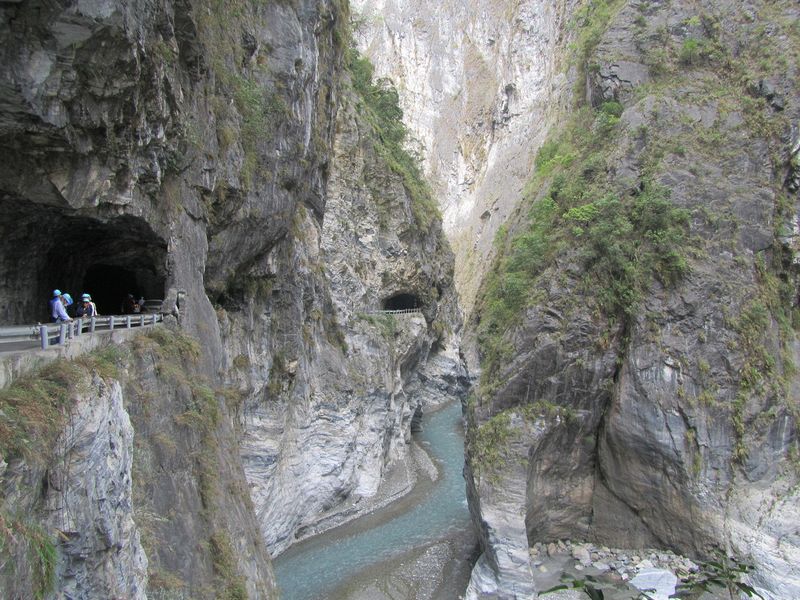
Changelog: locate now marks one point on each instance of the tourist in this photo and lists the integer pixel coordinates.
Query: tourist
(68, 302)
(94, 306)
(85, 309)
(58, 311)
(128, 305)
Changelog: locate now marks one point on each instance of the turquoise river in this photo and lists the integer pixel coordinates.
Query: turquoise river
(314, 569)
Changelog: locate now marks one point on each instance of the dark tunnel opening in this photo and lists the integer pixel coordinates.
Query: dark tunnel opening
(112, 284)
(114, 259)
(401, 302)
(43, 248)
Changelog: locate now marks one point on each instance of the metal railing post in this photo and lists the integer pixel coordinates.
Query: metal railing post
(61, 333)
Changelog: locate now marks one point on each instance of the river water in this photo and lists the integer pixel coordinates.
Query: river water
(326, 566)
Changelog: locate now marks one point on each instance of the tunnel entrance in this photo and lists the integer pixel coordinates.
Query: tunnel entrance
(45, 247)
(112, 284)
(401, 302)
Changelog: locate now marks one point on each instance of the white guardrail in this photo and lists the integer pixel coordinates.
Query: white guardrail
(56, 334)
(401, 311)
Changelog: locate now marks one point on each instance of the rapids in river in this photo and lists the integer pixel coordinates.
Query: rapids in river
(326, 566)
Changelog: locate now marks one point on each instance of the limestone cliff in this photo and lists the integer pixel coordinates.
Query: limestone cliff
(163, 148)
(121, 478)
(479, 83)
(331, 383)
(87, 479)
(638, 334)
(185, 150)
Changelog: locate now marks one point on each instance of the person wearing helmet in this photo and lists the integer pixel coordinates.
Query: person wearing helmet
(58, 313)
(66, 298)
(85, 308)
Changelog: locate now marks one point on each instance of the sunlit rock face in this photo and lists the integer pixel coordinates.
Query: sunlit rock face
(479, 83)
(186, 147)
(675, 425)
(87, 499)
(332, 385)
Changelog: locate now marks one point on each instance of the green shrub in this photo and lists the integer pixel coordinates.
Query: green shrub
(381, 105)
(488, 449)
(621, 243)
(550, 156)
(693, 51)
(510, 285)
(591, 22)
(19, 533)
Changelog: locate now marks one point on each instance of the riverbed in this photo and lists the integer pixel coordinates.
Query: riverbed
(419, 547)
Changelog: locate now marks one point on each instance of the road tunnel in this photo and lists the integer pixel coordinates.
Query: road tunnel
(43, 248)
(403, 301)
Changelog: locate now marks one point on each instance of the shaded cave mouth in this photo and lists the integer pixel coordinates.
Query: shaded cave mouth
(45, 248)
(121, 258)
(403, 301)
(112, 283)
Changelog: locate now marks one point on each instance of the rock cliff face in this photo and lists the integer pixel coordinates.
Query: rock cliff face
(650, 401)
(479, 84)
(184, 150)
(88, 481)
(638, 335)
(332, 386)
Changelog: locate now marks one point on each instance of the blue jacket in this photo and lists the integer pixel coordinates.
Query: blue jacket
(57, 310)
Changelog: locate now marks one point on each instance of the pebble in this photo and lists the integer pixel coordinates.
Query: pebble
(580, 553)
(645, 564)
(613, 562)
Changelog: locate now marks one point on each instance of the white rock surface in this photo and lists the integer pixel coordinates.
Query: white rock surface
(658, 583)
(332, 387)
(478, 83)
(504, 570)
(87, 500)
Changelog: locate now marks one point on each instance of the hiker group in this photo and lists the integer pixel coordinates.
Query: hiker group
(61, 302)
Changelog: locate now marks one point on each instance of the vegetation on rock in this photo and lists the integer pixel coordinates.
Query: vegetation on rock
(34, 408)
(196, 414)
(22, 538)
(621, 241)
(382, 111)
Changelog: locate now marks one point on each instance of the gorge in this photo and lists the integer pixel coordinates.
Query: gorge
(618, 181)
